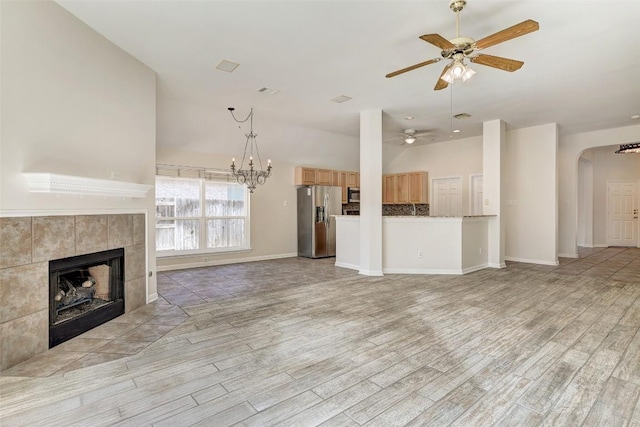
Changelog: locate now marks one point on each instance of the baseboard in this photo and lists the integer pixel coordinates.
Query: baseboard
(569, 255)
(496, 265)
(474, 268)
(421, 271)
(151, 298)
(531, 261)
(373, 273)
(347, 265)
(215, 262)
(600, 246)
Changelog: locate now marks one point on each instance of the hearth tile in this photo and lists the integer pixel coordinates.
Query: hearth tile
(168, 320)
(139, 229)
(53, 237)
(43, 364)
(23, 338)
(91, 359)
(134, 317)
(146, 332)
(15, 241)
(134, 260)
(23, 290)
(78, 344)
(120, 231)
(135, 294)
(109, 330)
(91, 234)
(122, 346)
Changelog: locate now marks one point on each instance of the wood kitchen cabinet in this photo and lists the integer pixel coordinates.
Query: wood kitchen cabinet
(305, 176)
(353, 180)
(335, 178)
(389, 189)
(418, 187)
(323, 177)
(404, 188)
(343, 185)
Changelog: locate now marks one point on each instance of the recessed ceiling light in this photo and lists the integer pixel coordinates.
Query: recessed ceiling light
(456, 131)
(227, 66)
(635, 117)
(340, 99)
(462, 116)
(409, 118)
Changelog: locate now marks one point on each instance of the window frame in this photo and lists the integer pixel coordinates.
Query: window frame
(202, 222)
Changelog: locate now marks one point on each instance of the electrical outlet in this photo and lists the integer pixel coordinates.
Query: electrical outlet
(419, 254)
(480, 250)
(285, 203)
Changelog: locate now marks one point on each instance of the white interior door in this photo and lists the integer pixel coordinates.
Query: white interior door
(447, 197)
(476, 194)
(622, 213)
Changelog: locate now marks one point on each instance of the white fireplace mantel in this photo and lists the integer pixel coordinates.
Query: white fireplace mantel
(68, 184)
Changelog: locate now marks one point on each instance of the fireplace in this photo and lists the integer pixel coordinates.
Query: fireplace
(84, 292)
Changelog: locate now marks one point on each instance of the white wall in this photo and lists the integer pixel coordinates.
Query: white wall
(569, 149)
(72, 103)
(609, 166)
(205, 130)
(273, 229)
(585, 201)
(530, 199)
(461, 157)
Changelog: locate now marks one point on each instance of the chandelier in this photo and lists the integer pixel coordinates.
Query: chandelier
(250, 177)
(634, 147)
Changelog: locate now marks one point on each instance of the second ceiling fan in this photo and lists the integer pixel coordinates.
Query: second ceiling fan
(461, 48)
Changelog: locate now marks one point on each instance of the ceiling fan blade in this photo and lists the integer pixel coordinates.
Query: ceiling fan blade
(505, 64)
(517, 30)
(413, 67)
(438, 40)
(441, 84)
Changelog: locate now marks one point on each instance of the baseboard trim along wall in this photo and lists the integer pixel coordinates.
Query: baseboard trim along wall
(568, 255)
(494, 265)
(373, 273)
(152, 297)
(347, 265)
(213, 263)
(532, 261)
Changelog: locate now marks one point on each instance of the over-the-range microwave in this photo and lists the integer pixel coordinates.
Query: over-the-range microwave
(354, 195)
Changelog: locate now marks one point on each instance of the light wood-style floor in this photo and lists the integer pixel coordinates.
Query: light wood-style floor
(299, 342)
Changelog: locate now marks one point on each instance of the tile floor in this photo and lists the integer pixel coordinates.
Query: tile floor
(301, 342)
(135, 331)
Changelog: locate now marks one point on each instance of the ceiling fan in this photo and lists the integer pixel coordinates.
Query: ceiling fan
(410, 136)
(461, 48)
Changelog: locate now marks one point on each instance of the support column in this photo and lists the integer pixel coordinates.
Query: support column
(493, 170)
(371, 193)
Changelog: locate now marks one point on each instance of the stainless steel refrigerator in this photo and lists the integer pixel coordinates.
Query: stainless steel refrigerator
(316, 224)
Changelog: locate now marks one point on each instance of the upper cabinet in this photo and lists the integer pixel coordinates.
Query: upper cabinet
(324, 177)
(305, 176)
(404, 188)
(313, 176)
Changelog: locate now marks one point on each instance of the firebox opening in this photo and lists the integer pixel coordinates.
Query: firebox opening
(85, 291)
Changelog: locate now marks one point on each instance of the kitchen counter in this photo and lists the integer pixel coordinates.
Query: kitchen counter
(419, 244)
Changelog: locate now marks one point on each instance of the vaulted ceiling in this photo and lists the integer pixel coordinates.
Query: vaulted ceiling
(580, 69)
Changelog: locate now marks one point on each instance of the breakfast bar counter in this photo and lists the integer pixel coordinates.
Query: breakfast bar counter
(419, 244)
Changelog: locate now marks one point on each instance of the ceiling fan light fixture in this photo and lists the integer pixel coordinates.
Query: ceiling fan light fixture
(458, 71)
(634, 147)
(410, 139)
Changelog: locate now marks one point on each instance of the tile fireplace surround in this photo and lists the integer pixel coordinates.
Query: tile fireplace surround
(27, 244)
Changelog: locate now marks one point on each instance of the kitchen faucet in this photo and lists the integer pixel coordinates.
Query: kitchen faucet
(413, 209)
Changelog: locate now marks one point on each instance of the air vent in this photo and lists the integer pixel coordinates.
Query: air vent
(267, 90)
(462, 116)
(227, 66)
(340, 99)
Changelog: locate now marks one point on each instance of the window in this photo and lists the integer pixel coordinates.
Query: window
(197, 216)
